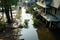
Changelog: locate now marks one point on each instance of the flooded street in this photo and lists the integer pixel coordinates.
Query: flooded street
(29, 20)
(30, 32)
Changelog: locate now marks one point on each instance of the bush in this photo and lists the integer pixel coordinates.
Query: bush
(26, 23)
(38, 16)
(36, 22)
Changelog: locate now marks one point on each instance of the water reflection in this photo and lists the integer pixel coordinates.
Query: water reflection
(30, 32)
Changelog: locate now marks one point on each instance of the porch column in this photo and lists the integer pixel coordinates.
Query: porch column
(50, 25)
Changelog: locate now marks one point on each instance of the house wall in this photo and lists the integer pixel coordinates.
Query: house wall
(52, 11)
(58, 13)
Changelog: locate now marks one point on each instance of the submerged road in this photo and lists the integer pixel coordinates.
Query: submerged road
(30, 32)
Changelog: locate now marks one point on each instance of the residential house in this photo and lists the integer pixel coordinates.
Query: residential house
(50, 11)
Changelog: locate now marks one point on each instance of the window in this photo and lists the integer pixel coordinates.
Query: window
(48, 10)
(54, 11)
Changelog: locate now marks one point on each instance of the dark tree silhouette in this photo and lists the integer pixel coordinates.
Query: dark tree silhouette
(6, 4)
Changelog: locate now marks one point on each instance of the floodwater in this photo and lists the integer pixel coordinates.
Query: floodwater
(30, 32)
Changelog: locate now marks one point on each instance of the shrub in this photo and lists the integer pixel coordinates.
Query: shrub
(36, 22)
(26, 23)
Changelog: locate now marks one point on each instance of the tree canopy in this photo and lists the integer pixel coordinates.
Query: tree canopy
(8, 2)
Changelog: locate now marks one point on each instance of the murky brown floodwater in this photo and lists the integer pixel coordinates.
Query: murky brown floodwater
(47, 34)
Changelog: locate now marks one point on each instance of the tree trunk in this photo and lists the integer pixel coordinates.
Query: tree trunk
(7, 15)
(11, 14)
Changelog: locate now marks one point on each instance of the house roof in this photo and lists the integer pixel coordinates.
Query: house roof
(42, 5)
(55, 3)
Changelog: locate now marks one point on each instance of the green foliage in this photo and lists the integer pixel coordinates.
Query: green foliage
(26, 23)
(8, 2)
(38, 16)
(34, 5)
(36, 22)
